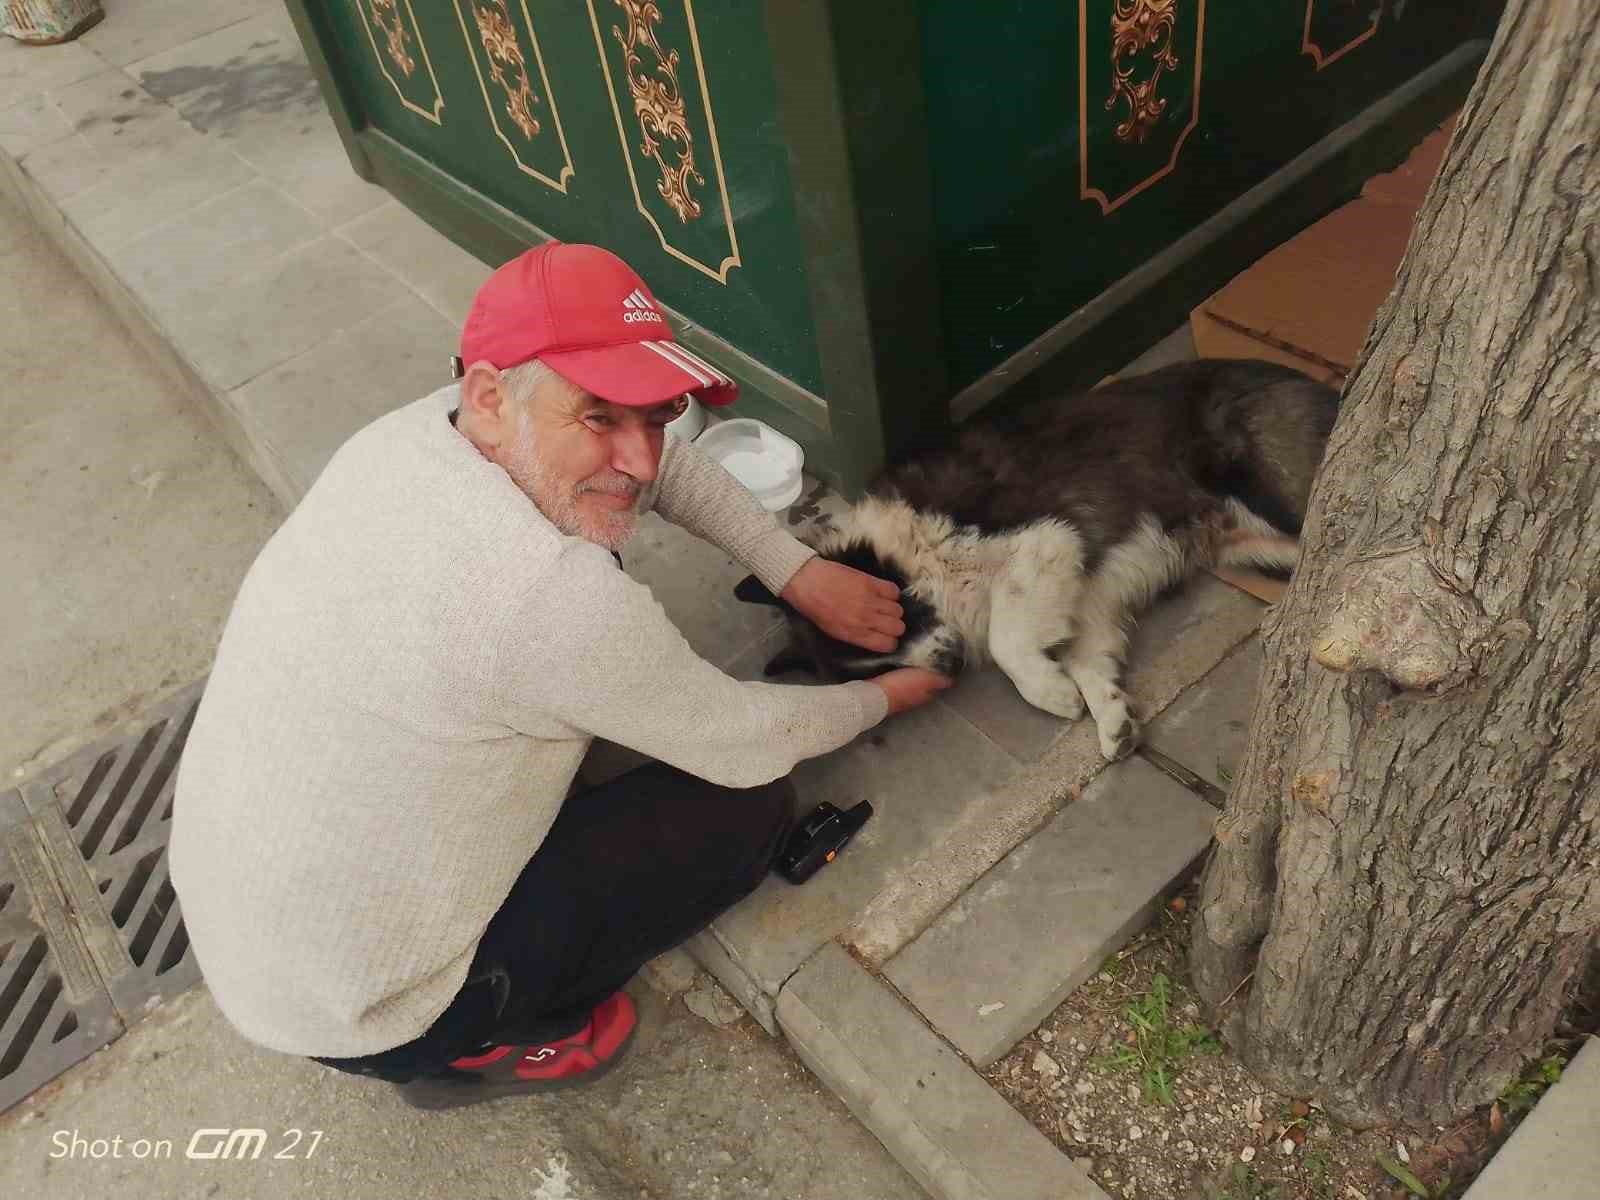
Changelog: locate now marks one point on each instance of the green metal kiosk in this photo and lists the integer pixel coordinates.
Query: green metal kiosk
(881, 215)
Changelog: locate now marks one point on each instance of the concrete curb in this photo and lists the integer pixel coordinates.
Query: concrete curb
(163, 350)
(947, 1127)
(1555, 1153)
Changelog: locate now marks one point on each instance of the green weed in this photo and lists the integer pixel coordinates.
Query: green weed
(1242, 1183)
(1535, 1079)
(1159, 1047)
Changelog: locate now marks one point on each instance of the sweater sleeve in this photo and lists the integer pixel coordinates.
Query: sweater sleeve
(592, 649)
(696, 493)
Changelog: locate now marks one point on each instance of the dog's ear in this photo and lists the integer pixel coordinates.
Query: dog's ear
(752, 591)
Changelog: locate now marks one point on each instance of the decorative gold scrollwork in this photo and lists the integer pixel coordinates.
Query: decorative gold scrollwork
(387, 15)
(507, 67)
(1324, 58)
(404, 49)
(1138, 25)
(658, 105)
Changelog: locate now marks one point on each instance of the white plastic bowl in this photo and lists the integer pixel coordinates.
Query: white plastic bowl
(689, 424)
(758, 456)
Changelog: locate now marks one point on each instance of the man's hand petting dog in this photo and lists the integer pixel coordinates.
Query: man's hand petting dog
(910, 687)
(848, 604)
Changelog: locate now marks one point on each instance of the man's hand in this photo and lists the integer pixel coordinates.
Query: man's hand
(848, 604)
(910, 687)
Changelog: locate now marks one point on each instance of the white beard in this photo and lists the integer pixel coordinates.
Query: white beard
(557, 498)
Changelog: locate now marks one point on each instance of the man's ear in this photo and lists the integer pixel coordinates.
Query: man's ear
(752, 591)
(484, 418)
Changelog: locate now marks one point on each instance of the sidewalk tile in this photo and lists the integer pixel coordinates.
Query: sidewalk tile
(117, 116)
(148, 192)
(117, 128)
(1184, 635)
(445, 274)
(250, 87)
(198, 254)
(920, 770)
(29, 70)
(1207, 728)
(1043, 920)
(277, 313)
(694, 582)
(373, 367)
(31, 123)
(134, 29)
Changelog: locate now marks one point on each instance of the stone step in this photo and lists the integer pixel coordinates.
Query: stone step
(1043, 920)
(947, 1127)
(955, 787)
(1206, 728)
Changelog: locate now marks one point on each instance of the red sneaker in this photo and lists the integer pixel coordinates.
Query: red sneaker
(513, 1070)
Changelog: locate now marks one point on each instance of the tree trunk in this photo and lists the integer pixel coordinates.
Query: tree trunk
(1407, 876)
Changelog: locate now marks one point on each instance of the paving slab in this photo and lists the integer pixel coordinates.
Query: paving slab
(1555, 1152)
(1044, 918)
(249, 87)
(1181, 638)
(694, 581)
(947, 1127)
(29, 70)
(393, 357)
(693, 1111)
(1206, 729)
(921, 771)
(134, 29)
(178, 267)
(151, 190)
(30, 123)
(127, 526)
(281, 311)
(117, 127)
(440, 271)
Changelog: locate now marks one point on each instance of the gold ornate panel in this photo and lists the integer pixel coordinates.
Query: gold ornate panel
(1144, 54)
(494, 42)
(404, 50)
(1324, 58)
(663, 123)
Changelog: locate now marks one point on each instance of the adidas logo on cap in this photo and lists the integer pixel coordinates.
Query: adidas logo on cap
(639, 308)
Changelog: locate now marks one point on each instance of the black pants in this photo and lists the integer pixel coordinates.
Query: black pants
(629, 870)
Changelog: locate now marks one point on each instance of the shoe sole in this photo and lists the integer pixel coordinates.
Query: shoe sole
(433, 1095)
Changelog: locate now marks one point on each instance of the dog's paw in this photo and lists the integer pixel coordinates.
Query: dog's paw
(1055, 693)
(1119, 735)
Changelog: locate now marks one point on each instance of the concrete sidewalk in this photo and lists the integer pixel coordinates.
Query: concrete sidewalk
(181, 158)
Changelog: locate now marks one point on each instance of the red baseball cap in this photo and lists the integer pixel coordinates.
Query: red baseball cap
(583, 312)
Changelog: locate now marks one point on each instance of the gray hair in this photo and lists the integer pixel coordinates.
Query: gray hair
(521, 383)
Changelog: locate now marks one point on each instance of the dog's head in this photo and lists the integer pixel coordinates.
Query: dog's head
(928, 642)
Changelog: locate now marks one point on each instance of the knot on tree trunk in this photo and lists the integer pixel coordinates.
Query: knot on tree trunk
(1397, 616)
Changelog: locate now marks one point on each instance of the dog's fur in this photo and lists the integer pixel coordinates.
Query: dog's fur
(1037, 535)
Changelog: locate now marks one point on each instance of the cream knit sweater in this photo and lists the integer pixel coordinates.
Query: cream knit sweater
(411, 674)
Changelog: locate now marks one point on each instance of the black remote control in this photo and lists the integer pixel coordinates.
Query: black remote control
(818, 839)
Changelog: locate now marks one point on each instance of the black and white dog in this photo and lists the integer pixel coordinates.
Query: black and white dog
(1037, 535)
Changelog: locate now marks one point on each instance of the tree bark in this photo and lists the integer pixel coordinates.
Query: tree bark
(1407, 875)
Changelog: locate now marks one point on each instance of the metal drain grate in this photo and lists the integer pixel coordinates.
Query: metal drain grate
(90, 932)
(54, 1008)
